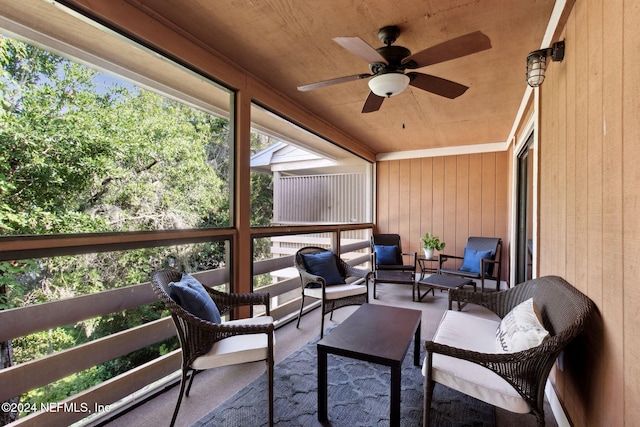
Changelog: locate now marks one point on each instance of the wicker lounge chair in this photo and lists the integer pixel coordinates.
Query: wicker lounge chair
(353, 291)
(514, 381)
(207, 345)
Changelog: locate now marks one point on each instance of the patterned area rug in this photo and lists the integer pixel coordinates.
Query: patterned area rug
(358, 395)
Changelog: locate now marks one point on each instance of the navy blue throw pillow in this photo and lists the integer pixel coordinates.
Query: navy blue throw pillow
(193, 297)
(472, 260)
(323, 264)
(386, 255)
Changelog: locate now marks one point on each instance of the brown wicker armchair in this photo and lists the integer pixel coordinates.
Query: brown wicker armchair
(564, 311)
(354, 290)
(207, 345)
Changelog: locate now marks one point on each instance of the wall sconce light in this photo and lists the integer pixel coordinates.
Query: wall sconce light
(537, 62)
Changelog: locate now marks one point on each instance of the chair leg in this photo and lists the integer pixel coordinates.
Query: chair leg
(270, 381)
(428, 396)
(193, 375)
(428, 392)
(300, 313)
(322, 322)
(183, 381)
(333, 304)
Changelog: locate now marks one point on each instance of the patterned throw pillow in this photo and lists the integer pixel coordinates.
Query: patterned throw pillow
(521, 329)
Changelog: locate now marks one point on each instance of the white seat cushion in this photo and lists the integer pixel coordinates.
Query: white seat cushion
(461, 330)
(237, 349)
(338, 291)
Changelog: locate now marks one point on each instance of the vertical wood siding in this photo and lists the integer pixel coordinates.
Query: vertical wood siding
(590, 204)
(453, 197)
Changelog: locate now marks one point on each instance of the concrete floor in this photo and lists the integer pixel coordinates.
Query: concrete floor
(214, 386)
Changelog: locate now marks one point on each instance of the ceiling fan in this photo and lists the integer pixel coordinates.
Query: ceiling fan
(388, 64)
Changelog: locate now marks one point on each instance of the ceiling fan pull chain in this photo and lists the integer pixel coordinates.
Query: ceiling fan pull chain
(403, 113)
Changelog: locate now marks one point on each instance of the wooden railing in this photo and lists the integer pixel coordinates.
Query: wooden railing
(111, 396)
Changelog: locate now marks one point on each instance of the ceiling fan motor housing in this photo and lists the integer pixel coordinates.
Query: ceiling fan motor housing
(394, 54)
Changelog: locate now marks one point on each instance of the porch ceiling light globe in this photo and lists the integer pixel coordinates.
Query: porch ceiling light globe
(536, 67)
(388, 84)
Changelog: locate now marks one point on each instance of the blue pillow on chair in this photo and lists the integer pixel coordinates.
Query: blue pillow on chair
(323, 264)
(386, 255)
(193, 297)
(472, 260)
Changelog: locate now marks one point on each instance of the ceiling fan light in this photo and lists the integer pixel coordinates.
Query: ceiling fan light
(389, 84)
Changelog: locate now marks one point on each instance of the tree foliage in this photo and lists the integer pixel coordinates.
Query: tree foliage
(76, 157)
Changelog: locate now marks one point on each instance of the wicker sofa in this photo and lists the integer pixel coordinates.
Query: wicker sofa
(463, 356)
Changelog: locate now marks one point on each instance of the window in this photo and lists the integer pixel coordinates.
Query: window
(102, 139)
(299, 178)
(84, 150)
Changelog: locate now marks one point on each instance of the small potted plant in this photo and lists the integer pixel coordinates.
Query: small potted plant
(431, 243)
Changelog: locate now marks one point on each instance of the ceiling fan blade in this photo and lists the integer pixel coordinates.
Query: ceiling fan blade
(335, 81)
(452, 49)
(360, 48)
(437, 85)
(372, 103)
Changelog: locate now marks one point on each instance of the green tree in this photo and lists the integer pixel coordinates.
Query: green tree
(78, 159)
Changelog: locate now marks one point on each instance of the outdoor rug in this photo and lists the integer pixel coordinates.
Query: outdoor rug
(358, 395)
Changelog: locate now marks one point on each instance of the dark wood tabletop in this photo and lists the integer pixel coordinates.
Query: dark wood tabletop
(375, 333)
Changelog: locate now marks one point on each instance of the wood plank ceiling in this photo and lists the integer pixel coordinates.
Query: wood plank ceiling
(289, 43)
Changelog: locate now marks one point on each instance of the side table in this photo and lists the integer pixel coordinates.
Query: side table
(424, 269)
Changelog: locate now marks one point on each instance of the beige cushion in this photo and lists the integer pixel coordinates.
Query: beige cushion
(338, 291)
(521, 329)
(462, 330)
(238, 348)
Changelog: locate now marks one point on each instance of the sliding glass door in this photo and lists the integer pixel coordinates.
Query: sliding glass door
(525, 214)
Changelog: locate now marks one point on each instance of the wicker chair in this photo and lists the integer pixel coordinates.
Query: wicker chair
(354, 292)
(207, 345)
(490, 267)
(564, 311)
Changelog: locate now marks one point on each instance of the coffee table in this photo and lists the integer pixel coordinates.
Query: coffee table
(377, 334)
(393, 276)
(443, 282)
